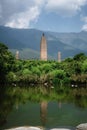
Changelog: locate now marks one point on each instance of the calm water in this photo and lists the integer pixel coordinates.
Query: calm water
(37, 106)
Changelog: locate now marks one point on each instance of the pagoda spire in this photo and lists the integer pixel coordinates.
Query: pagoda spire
(43, 48)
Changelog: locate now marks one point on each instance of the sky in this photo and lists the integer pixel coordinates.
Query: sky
(48, 15)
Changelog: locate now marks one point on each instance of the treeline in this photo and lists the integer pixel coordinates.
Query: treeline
(69, 71)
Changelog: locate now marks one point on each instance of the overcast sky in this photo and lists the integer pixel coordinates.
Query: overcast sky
(50, 15)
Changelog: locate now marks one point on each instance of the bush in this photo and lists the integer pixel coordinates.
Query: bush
(11, 77)
(60, 77)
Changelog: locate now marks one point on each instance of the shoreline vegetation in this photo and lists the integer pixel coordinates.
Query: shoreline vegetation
(71, 71)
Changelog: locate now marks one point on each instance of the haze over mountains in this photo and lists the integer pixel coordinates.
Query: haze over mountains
(27, 41)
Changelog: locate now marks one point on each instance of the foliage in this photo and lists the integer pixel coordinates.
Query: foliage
(70, 70)
(84, 66)
(6, 62)
(80, 57)
(11, 77)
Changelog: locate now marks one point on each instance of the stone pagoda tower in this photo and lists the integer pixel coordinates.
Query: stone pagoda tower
(59, 56)
(43, 48)
(17, 55)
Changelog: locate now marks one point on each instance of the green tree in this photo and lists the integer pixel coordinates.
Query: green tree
(6, 62)
(80, 57)
(84, 66)
(60, 77)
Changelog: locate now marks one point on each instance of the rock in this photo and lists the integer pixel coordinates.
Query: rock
(59, 129)
(34, 128)
(25, 128)
(82, 127)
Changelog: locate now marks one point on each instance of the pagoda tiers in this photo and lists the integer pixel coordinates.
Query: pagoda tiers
(43, 48)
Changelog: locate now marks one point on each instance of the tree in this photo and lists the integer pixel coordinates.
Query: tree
(59, 76)
(79, 57)
(6, 62)
(84, 66)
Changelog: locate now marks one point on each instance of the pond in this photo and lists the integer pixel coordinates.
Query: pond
(54, 107)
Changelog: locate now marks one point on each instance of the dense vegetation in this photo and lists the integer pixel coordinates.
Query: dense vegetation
(6, 62)
(69, 71)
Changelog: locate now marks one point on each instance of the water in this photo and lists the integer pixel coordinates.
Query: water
(61, 107)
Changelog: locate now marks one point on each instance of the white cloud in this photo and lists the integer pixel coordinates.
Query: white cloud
(19, 13)
(65, 7)
(22, 20)
(84, 19)
(39, 2)
(84, 28)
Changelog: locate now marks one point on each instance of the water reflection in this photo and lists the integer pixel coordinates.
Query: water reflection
(52, 103)
(43, 112)
(59, 104)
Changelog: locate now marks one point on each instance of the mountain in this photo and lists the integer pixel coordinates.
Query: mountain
(27, 41)
(76, 40)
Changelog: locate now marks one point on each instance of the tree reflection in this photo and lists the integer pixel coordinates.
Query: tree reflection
(6, 105)
(13, 96)
(80, 97)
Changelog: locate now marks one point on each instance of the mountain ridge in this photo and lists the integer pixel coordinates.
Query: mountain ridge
(68, 43)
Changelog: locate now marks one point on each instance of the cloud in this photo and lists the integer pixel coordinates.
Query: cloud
(19, 13)
(39, 2)
(84, 28)
(84, 19)
(65, 7)
(22, 20)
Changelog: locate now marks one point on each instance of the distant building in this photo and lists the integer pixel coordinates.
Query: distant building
(43, 48)
(17, 55)
(59, 56)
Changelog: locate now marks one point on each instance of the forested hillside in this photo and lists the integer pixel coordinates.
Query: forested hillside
(27, 41)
